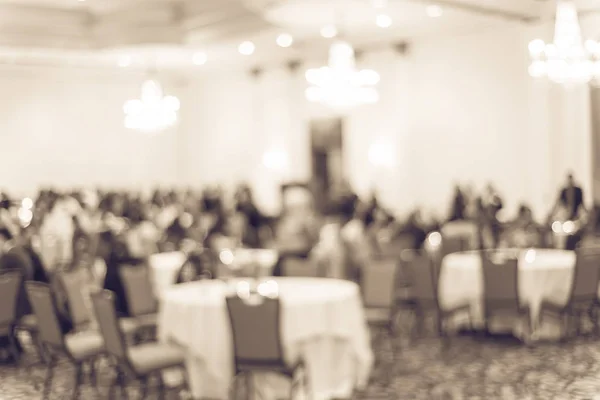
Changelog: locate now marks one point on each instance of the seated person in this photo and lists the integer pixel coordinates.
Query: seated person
(197, 267)
(523, 231)
(235, 232)
(120, 257)
(295, 236)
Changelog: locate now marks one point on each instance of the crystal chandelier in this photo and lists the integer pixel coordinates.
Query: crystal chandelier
(568, 60)
(340, 84)
(152, 112)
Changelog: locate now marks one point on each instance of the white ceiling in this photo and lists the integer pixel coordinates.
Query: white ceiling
(167, 33)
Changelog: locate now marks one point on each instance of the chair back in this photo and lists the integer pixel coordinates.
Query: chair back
(452, 244)
(378, 282)
(301, 267)
(10, 285)
(500, 282)
(72, 285)
(586, 275)
(138, 289)
(44, 308)
(396, 246)
(104, 307)
(256, 330)
(420, 270)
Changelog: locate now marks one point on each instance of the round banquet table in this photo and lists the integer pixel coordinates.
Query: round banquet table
(544, 275)
(322, 320)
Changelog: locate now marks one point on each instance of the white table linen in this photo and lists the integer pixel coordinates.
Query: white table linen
(322, 320)
(544, 275)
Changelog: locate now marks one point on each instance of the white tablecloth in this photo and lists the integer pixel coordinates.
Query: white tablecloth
(165, 267)
(544, 274)
(322, 320)
(244, 262)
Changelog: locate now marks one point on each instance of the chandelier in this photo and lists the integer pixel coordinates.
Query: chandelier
(568, 60)
(152, 112)
(340, 84)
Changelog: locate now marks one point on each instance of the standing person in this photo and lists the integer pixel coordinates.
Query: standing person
(492, 203)
(570, 199)
(459, 205)
(570, 202)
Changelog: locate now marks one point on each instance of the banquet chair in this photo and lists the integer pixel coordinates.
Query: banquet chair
(79, 308)
(141, 363)
(379, 292)
(424, 298)
(81, 349)
(300, 267)
(396, 246)
(71, 284)
(10, 285)
(143, 306)
(256, 329)
(501, 287)
(583, 297)
(453, 244)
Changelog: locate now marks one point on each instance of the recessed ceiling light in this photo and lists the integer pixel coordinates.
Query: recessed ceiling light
(379, 3)
(199, 58)
(434, 11)
(246, 48)
(125, 61)
(329, 31)
(383, 21)
(285, 40)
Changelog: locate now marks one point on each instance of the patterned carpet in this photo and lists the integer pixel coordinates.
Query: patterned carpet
(472, 368)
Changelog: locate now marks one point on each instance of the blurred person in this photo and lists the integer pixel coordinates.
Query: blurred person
(120, 256)
(524, 231)
(492, 204)
(197, 267)
(296, 233)
(244, 203)
(570, 206)
(570, 200)
(458, 210)
(56, 234)
(414, 227)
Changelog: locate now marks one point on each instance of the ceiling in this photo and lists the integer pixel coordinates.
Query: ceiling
(168, 33)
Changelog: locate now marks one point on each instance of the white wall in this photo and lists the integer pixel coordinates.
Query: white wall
(454, 109)
(65, 127)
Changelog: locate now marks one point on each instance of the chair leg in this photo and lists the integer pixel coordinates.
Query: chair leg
(78, 380)
(144, 388)
(93, 375)
(118, 383)
(444, 337)
(49, 378)
(593, 315)
(565, 328)
(35, 338)
(249, 386)
(306, 384)
(13, 347)
(161, 387)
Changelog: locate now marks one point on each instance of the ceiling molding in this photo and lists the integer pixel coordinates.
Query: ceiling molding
(161, 22)
(481, 10)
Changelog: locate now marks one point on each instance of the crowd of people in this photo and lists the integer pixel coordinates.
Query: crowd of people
(93, 230)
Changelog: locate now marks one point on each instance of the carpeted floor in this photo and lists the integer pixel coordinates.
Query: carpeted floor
(472, 368)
